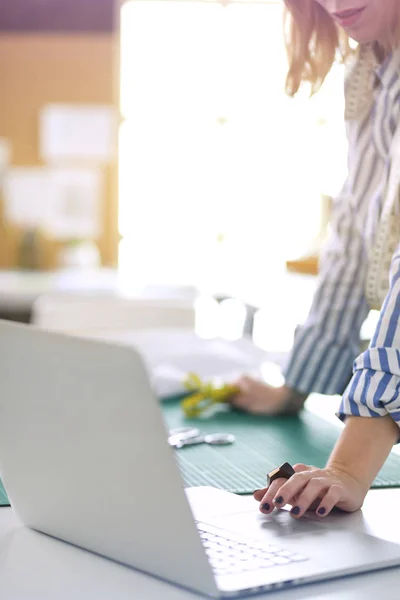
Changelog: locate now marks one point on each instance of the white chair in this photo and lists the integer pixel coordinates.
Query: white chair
(90, 313)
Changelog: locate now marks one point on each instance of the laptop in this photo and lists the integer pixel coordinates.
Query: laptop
(84, 458)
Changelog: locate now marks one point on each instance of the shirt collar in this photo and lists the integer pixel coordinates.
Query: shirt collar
(363, 72)
(359, 83)
(388, 72)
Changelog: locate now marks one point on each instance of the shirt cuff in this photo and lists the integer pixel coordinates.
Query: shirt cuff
(374, 390)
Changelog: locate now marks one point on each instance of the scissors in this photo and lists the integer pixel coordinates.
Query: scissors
(191, 436)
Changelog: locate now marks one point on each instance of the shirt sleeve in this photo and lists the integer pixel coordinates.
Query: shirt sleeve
(327, 344)
(374, 390)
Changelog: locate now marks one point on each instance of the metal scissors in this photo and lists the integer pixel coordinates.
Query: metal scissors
(191, 436)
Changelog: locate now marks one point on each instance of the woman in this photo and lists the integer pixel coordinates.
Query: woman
(360, 268)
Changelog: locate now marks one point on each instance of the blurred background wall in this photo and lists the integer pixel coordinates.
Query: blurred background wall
(54, 51)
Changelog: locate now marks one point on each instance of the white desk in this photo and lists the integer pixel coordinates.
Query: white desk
(36, 567)
(20, 289)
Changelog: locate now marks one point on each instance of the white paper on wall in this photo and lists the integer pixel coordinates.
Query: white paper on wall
(26, 196)
(75, 132)
(65, 202)
(75, 208)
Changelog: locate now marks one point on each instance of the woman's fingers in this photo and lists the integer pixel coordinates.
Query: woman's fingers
(330, 500)
(292, 487)
(300, 467)
(266, 495)
(258, 397)
(307, 489)
(319, 490)
(315, 488)
(244, 397)
(259, 494)
(266, 502)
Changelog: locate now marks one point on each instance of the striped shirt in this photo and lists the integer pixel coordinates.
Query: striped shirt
(328, 342)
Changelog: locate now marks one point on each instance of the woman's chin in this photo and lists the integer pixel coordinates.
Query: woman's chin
(363, 36)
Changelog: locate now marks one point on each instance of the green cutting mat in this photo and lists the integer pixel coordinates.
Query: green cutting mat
(3, 496)
(261, 444)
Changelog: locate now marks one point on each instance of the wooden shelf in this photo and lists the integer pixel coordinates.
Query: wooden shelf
(308, 265)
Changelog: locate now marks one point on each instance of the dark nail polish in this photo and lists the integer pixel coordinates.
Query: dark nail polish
(321, 511)
(266, 506)
(295, 510)
(279, 500)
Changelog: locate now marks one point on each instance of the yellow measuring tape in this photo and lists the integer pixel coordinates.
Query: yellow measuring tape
(205, 395)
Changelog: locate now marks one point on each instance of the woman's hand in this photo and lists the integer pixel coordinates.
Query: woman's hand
(316, 489)
(260, 398)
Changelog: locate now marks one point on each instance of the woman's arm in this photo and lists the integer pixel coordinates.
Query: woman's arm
(327, 344)
(363, 448)
(355, 461)
(371, 408)
(374, 390)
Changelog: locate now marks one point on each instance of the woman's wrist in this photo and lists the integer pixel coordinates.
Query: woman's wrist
(363, 447)
(292, 401)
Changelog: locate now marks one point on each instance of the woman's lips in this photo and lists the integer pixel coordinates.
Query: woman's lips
(349, 17)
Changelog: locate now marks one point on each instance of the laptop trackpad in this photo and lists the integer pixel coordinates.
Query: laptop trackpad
(315, 540)
(256, 525)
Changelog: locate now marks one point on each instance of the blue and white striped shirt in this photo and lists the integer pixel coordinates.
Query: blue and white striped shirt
(326, 345)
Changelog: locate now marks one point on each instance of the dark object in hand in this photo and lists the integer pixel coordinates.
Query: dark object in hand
(286, 471)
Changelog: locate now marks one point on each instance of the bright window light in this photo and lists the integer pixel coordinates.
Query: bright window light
(220, 173)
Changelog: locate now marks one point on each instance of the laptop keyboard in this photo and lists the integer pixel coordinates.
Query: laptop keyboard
(227, 556)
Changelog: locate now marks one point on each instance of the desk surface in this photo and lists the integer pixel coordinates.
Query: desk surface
(22, 288)
(36, 567)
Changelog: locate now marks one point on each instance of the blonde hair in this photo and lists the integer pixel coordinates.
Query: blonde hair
(313, 42)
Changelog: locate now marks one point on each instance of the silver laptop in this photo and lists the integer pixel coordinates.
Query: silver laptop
(84, 458)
